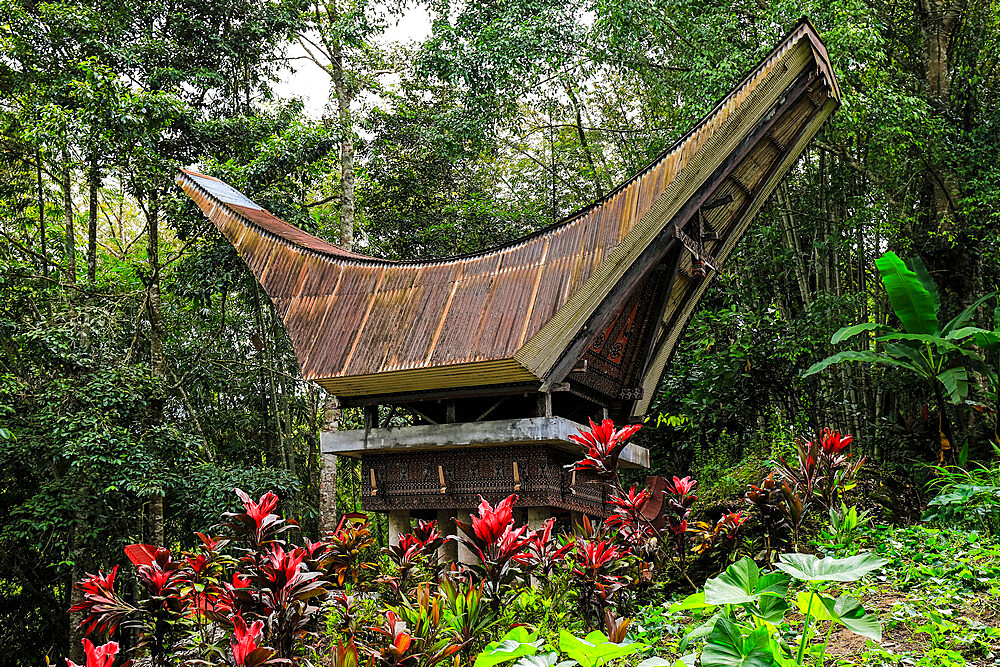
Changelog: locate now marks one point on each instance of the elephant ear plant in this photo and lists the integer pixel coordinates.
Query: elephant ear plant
(748, 609)
(594, 650)
(937, 353)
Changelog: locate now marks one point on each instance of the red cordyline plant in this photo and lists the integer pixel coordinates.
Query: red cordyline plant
(491, 536)
(103, 609)
(419, 548)
(97, 656)
(543, 553)
(768, 500)
(628, 518)
(269, 604)
(823, 470)
(594, 572)
(257, 525)
(678, 500)
(707, 536)
(244, 645)
(398, 646)
(345, 564)
(283, 594)
(646, 539)
(603, 445)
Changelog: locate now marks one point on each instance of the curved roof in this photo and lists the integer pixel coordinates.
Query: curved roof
(361, 325)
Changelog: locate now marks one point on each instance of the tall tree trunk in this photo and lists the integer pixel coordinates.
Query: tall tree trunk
(67, 185)
(157, 359)
(94, 183)
(938, 19)
(346, 122)
(76, 594)
(41, 212)
(328, 473)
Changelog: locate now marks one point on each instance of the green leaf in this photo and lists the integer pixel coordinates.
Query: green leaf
(916, 265)
(771, 608)
(956, 383)
(987, 339)
(847, 611)
(861, 356)
(929, 339)
(807, 567)
(550, 659)
(965, 332)
(912, 303)
(959, 320)
(701, 631)
(844, 333)
(727, 647)
(657, 661)
(742, 583)
(693, 601)
(595, 649)
(811, 604)
(516, 643)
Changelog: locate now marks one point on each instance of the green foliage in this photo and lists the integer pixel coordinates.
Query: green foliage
(516, 643)
(966, 497)
(807, 567)
(595, 649)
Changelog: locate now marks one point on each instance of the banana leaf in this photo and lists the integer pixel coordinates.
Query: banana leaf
(862, 356)
(965, 316)
(910, 300)
(844, 333)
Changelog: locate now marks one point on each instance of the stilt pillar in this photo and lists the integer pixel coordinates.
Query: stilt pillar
(465, 554)
(399, 524)
(537, 516)
(446, 524)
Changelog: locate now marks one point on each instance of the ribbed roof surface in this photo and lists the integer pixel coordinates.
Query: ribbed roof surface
(361, 325)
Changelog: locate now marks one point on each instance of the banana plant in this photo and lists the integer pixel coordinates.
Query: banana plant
(939, 354)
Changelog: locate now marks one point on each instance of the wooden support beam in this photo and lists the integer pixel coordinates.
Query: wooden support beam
(419, 414)
(543, 406)
(486, 413)
(371, 416)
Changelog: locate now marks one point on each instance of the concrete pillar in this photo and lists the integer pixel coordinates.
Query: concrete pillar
(399, 524)
(465, 554)
(537, 516)
(328, 493)
(446, 524)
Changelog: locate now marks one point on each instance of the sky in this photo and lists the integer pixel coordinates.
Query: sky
(308, 82)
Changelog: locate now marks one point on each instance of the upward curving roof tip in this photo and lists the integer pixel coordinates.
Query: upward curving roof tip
(527, 311)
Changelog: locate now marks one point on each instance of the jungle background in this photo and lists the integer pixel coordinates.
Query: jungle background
(143, 374)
